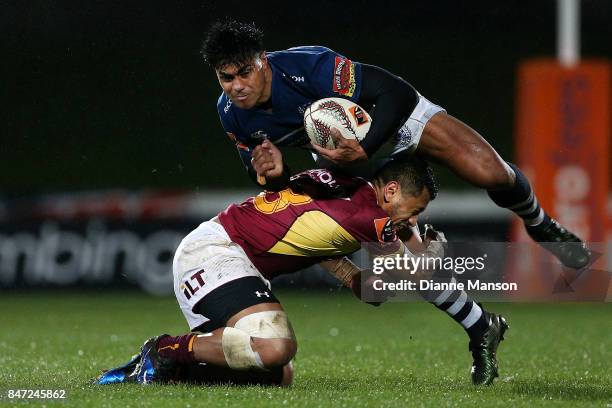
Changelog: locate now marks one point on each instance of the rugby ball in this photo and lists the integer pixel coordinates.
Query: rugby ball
(350, 119)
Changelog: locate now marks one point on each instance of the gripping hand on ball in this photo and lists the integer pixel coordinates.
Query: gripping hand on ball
(267, 160)
(346, 151)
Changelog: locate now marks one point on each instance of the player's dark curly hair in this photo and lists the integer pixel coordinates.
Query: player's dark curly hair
(411, 172)
(231, 42)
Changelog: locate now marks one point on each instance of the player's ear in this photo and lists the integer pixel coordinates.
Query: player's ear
(264, 58)
(391, 189)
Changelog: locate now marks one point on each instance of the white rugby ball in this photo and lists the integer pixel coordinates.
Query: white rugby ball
(350, 119)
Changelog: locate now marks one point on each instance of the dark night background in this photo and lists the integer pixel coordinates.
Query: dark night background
(107, 94)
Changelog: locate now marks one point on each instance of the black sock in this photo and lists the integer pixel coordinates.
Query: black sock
(458, 305)
(521, 199)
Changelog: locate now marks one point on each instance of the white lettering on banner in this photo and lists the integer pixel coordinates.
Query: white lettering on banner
(56, 256)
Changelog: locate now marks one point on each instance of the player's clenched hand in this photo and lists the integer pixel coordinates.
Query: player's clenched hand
(435, 240)
(267, 160)
(346, 151)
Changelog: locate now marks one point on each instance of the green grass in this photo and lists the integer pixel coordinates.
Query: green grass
(401, 354)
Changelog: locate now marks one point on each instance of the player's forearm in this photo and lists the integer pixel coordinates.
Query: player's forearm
(341, 268)
(394, 101)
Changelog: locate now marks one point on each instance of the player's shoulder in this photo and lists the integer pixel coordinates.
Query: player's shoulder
(226, 111)
(302, 51)
(325, 184)
(307, 54)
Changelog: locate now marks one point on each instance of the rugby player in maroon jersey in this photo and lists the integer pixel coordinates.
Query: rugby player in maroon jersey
(221, 270)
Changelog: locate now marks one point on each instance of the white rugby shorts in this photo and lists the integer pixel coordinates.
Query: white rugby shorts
(204, 260)
(409, 135)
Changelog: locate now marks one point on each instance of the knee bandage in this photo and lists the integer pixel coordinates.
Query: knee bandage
(236, 341)
(238, 351)
(271, 324)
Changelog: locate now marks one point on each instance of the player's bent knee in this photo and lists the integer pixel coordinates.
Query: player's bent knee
(275, 352)
(243, 352)
(260, 340)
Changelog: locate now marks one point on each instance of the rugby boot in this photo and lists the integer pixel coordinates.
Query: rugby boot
(566, 246)
(120, 374)
(484, 349)
(152, 367)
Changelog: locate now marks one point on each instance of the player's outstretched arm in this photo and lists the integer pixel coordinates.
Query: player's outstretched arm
(341, 268)
(348, 273)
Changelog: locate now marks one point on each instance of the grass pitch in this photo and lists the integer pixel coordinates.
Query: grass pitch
(350, 354)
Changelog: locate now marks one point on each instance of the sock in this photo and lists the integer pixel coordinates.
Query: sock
(458, 305)
(179, 349)
(521, 199)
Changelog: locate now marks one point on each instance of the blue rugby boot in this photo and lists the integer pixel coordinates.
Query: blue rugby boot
(120, 374)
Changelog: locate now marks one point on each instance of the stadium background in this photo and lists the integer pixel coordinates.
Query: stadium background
(111, 144)
(114, 94)
(111, 150)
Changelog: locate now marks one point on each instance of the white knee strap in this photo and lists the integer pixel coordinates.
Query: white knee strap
(271, 324)
(237, 349)
(236, 341)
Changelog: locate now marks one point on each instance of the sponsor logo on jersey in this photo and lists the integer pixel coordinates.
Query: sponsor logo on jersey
(295, 78)
(322, 176)
(384, 230)
(259, 135)
(191, 285)
(344, 77)
(227, 105)
(359, 115)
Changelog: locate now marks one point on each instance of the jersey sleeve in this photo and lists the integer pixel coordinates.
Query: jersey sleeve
(394, 100)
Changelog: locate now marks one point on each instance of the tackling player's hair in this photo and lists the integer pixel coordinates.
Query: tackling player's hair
(231, 42)
(411, 172)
